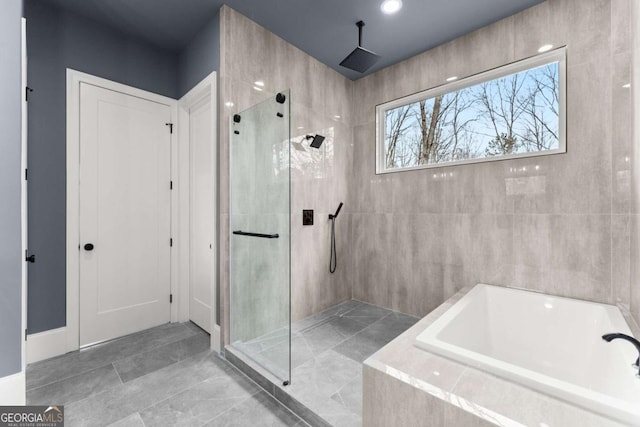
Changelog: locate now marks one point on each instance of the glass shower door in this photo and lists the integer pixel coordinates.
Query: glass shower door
(260, 229)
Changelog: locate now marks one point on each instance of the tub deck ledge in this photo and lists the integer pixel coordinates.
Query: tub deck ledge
(406, 385)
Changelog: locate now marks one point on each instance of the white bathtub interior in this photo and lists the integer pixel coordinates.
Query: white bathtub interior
(551, 344)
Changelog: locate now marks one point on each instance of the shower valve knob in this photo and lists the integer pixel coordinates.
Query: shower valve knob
(307, 217)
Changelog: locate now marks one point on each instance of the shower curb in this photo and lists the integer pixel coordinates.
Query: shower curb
(272, 386)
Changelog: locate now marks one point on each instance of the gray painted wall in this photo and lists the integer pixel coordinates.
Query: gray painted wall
(10, 244)
(200, 57)
(56, 40)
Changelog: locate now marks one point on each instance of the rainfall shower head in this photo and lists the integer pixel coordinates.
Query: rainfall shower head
(360, 59)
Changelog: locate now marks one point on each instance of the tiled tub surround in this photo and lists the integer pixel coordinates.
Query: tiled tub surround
(544, 343)
(327, 352)
(406, 385)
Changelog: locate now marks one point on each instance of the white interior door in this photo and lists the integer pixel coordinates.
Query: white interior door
(125, 213)
(202, 214)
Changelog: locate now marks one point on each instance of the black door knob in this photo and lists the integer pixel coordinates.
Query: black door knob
(31, 258)
(88, 247)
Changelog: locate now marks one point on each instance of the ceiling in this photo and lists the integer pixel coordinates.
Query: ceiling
(324, 29)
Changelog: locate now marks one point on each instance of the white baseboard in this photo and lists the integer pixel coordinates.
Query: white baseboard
(12, 390)
(47, 344)
(215, 338)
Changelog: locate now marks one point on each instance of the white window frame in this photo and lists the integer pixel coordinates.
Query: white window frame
(558, 55)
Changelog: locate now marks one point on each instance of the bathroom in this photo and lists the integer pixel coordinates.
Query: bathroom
(408, 244)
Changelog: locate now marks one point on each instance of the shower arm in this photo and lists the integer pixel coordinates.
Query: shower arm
(334, 216)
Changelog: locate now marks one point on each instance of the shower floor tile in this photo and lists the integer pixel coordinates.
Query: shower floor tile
(350, 396)
(368, 341)
(327, 351)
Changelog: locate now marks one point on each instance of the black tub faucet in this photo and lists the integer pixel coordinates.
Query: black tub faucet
(632, 340)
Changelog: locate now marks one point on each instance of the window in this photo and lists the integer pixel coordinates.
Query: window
(513, 111)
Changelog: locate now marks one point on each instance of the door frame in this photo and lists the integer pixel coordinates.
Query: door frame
(207, 88)
(24, 206)
(74, 79)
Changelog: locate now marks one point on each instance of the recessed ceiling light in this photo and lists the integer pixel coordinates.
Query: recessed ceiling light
(229, 104)
(391, 6)
(259, 89)
(626, 86)
(259, 83)
(300, 127)
(452, 78)
(336, 116)
(545, 48)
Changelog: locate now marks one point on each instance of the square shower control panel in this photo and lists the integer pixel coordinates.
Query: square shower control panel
(307, 217)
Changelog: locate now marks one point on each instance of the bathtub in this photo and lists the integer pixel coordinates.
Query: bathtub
(551, 344)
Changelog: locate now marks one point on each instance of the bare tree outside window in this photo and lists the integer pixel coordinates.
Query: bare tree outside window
(515, 114)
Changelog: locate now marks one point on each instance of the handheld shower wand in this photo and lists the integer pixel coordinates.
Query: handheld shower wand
(333, 261)
(335, 215)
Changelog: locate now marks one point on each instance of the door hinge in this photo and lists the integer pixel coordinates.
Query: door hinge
(26, 174)
(170, 127)
(27, 90)
(170, 298)
(170, 185)
(171, 242)
(25, 334)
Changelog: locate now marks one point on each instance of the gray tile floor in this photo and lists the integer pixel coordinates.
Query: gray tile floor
(160, 377)
(327, 351)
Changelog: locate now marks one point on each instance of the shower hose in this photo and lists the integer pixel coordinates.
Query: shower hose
(333, 260)
(334, 257)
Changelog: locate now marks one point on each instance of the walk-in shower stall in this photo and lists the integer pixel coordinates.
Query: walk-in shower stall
(312, 363)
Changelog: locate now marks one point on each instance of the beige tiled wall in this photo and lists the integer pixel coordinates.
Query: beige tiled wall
(321, 103)
(634, 113)
(419, 236)
(409, 240)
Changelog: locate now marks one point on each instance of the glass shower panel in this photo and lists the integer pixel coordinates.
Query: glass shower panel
(260, 229)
